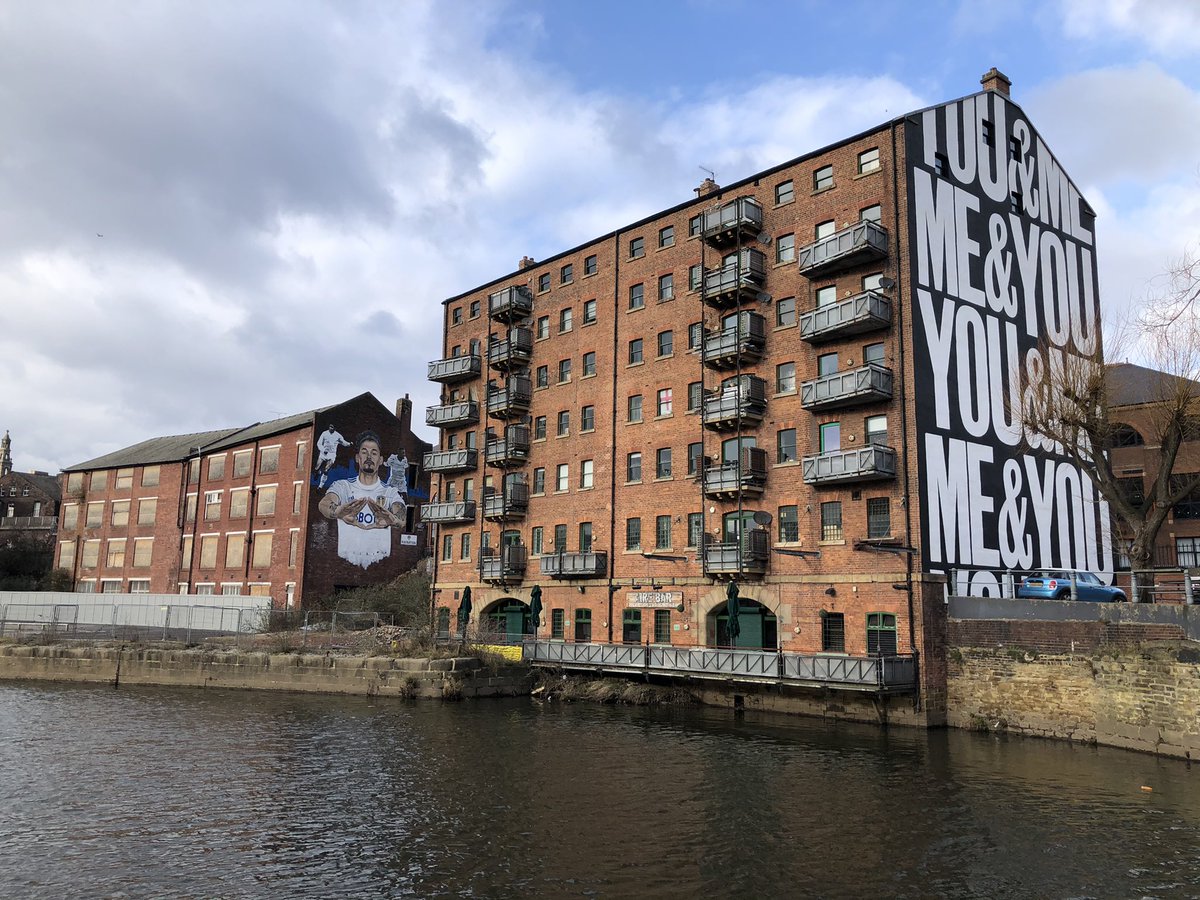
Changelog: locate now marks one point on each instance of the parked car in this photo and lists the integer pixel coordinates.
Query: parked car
(1051, 584)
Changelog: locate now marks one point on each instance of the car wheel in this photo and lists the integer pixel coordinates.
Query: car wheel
(1063, 595)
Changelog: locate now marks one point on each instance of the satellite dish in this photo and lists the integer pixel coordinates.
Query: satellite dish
(762, 517)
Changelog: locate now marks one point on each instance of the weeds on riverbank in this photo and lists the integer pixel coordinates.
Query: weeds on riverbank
(570, 689)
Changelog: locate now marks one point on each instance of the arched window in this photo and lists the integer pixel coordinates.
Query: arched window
(1127, 436)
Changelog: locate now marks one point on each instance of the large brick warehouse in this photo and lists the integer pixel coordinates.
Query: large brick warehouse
(798, 383)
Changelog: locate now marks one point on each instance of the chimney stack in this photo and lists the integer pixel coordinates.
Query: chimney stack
(707, 186)
(995, 80)
(404, 413)
(526, 262)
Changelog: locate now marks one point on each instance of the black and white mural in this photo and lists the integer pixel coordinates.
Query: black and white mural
(1003, 288)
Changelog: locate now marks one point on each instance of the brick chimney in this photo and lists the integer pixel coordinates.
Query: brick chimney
(707, 186)
(404, 413)
(995, 80)
(526, 262)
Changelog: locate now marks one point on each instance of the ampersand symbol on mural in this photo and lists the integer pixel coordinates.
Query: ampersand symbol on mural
(1016, 548)
(997, 269)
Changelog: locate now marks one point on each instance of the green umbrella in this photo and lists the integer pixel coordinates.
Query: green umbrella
(733, 610)
(464, 610)
(535, 607)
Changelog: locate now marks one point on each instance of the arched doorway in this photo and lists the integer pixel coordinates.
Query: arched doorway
(759, 627)
(506, 621)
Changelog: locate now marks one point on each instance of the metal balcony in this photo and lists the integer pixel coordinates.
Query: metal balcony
(510, 503)
(507, 565)
(747, 475)
(512, 400)
(737, 281)
(855, 387)
(511, 304)
(514, 352)
(455, 368)
(37, 523)
(453, 415)
(584, 564)
(738, 220)
(860, 243)
(748, 556)
(450, 511)
(459, 460)
(742, 400)
(868, 311)
(875, 462)
(510, 451)
(742, 344)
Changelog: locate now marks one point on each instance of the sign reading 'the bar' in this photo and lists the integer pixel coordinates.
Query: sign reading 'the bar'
(654, 599)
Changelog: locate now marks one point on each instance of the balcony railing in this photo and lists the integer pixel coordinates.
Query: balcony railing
(449, 511)
(30, 523)
(507, 565)
(737, 281)
(744, 343)
(747, 556)
(510, 304)
(582, 564)
(455, 368)
(510, 503)
(874, 462)
(860, 243)
(748, 475)
(511, 450)
(452, 415)
(459, 460)
(743, 399)
(868, 311)
(866, 384)
(512, 400)
(514, 352)
(740, 219)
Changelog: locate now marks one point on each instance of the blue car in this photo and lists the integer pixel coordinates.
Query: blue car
(1050, 584)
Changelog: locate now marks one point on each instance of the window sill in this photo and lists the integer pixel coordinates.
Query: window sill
(782, 203)
(659, 418)
(639, 481)
(559, 437)
(823, 190)
(634, 365)
(584, 490)
(874, 171)
(633, 309)
(840, 543)
(786, 464)
(664, 478)
(563, 381)
(586, 324)
(586, 377)
(634, 422)
(783, 263)
(791, 393)
(786, 327)
(665, 247)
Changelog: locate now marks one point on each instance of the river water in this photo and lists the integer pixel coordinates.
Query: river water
(187, 793)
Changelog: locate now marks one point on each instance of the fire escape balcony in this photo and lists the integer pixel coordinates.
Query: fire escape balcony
(855, 387)
(510, 451)
(747, 475)
(457, 460)
(449, 511)
(737, 281)
(583, 564)
(454, 369)
(510, 503)
(512, 353)
(742, 399)
(875, 462)
(512, 304)
(504, 566)
(744, 343)
(747, 556)
(860, 243)
(738, 220)
(868, 311)
(512, 400)
(453, 414)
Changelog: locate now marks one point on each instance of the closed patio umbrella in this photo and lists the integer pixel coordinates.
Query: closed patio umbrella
(464, 611)
(535, 607)
(733, 610)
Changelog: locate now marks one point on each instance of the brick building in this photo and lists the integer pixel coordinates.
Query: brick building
(796, 383)
(247, 510)
(28, 521)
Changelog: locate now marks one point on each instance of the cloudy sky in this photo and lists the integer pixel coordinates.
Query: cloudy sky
(217, 213)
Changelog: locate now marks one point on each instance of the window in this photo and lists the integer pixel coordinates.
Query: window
(587, 418)
(1126, 436)
(543, 282)
(635, 351)
(560, 538)
(212, 505)
(585, 537)
(633, 467)
(873, 282)
(474, 309)
(456, 315)
(557, 624)
(693, 226)
(468, 489)
(95, 514)
(115, 558)
(833, 632)
(464, 546)
(871, 214)
(268, 460)
(868, 160)
(873, 353)
(70, 516)
(99, 481)
(543, 327)
(586, 469)
(235, 550)
(985, 131)
(589, 312)
(565, 320)
(447, 547)
(633, 534)
(827, 295)
(583, 626)
(189, 508)
(265, 501)
(539, 428)
(120, 512)
(239, 504)
(662, 462)
(631, 626)
(664, 402)
(634, 406)
(941, 165)
(536, 536)
(785, 312)
(124, 479)
(666, 236)
(150, 476)
(539, 480)
(694, 454)
(666, 343)
(785, 378)
(824, 229)
(695, 335)
(543, 378)
(879, 517)
(216, 468)
(831, 521)
(662, 626)
(662, 533)
(562, 475)
(823, 178)
(695, 277)
(75, 482)
(789, 525)
(242, 461)
(827, 364)
(695, 528)
(1016, 202)
(589, 265)
(785, 445)
(294, 546)
(785, 192)
(208, 551)
(91, 554)
(785, 248)
(564, 423)
(589, 364)
(830, 437)
(636, 296)
(695, 396)
(666, 287)
(260, 555)
(881, 634)
(637, 248)
(566, 274)
(564, 370)
(875, 430)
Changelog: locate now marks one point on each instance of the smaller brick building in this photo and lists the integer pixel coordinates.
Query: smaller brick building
(28, 520)
(297, 509)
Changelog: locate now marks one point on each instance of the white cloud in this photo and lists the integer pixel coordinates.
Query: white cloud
(1169, 27)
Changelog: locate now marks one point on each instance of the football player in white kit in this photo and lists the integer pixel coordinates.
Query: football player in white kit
(398, 472)
(366, 509)
(327, 447)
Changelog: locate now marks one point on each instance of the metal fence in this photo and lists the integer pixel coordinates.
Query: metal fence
(1158, 585)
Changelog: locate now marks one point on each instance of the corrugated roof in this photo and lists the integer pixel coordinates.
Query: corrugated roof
(1131, 385)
